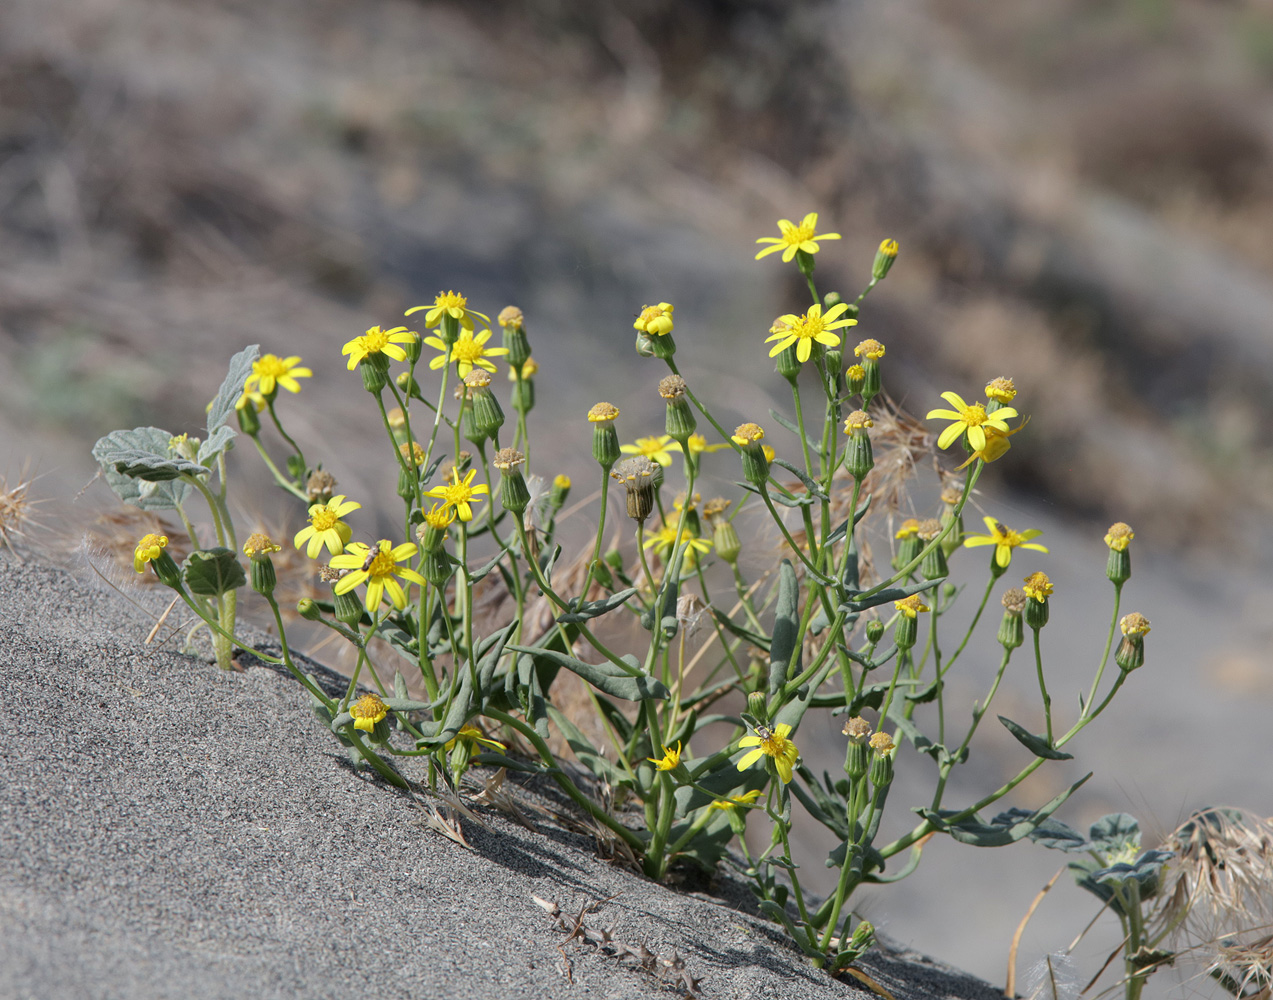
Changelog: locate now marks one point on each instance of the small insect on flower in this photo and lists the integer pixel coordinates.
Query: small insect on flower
(771, 743)
(376, 567)
(1004, 539)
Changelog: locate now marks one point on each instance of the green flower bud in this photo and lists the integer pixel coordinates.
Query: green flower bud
(874, 631)
(1131, 650)
(906, 632)
(605, 439)
(787, 362)
(374, 369)
(1119, 565)
(486, 416)
(748, 437)
(908, 543)
(249, 419)
(1038, 588)
(167, 570)
(680, 421)
(514, 336)
(854, 379)
(857, 758)
(348, 608)
(409, 386)
(513, 493)
(758, 706)
(639, 476)
(261, 568)
(884, 257)
(934, 565)
(870, 351)
(881, 772)
(858, 458)
(436, 567)
(559, 492)
(725, 540)
(308, 610)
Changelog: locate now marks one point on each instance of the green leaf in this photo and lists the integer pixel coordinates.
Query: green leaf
(775, 912)
(146, 495)
(595, 609)
(782, 421)
(1037, 745)
(779, 498)
(493, 759)
(489, 650)
(583, 749)
(1059, 837)
(142, 453)
(213, 572)
(786, 627)
(755, 638)
(814, 489)
(222, 439)
(231, 389)
(603, 676)
(1115, 833)
(1006, 828)
(892, 594)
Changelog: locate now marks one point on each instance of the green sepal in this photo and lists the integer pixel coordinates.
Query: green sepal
(603, 676)
(1037, 745)
(213, 572)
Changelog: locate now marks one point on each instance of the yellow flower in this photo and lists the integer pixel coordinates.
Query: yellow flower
(529, 368)
(804, 330)
(367, 711)
(459, 493)
(1001, 389)
(377, 341)
(467, 352)
(971, 419)
(326, 527)
(734, 801)
(748, 433)
(511, 316)
(1119, 536)
(259, 542)
(857, 420)
(882, 743)
(1004, 540)
(255, 399)
(377, 568)
(670, 760)
(451, 304)
(771, 743)
(655, 448)
(415, 454)
(271, 371)
(561, 482)
(147, 550)
(603, 413)
(911, 606)
(802, 237)
(472, 735)
(655, 320)
(664, 541)
(1134, 624)
(698, 444)
(869, 348)
(1038, 586)
(908, 528)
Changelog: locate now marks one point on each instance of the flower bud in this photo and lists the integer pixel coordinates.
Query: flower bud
(1011, 629)
(907, 630)
(348, 608)
(559, 492)
(1131, 650)
(249, 420)
(308, 610)
(999, 393)
(513, 493)
(787, 363)
(656, 323)
(639, 476)
(436, 567)
(950, 497)
(605, 439)
(854, 379)
(1119, 565)
(882, 761)
(908, 543)
(874, 631)
(680, 422)
(409, 386)
(1038, 588)
(514, 336)
(870, 351)
(486, 417)
(884, 257)
(934, 565)
(725, 540)
(758, 706)
(258, 548)
(858, 458)
(374, 369)
(748, 437)
(857, 757)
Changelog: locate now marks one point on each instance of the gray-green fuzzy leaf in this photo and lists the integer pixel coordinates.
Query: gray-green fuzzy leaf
(231, 388)
(213, 572)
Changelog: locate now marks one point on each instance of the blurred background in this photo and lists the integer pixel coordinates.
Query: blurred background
(1082, 193)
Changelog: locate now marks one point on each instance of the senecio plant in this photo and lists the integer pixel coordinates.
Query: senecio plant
(798, 628)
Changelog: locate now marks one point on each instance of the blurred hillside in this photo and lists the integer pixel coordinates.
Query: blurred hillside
(1082, 193)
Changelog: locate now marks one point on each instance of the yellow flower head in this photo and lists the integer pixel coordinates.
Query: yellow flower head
(603, 413)
(882, 743)
(468, 351)
(802, 237)
(397, 419)
(771, 743)
(735, 802)
(561, 482)
(1001, 389)
(812, 326)
(655, 320)
(451, 304)
(670, 760)
(889, 248)
(440, 516)
(855, 373)
(997, 443)
(377, 341)
(377, 568)
(148, 550)
(857, 729)
(529, 368)
(908, 528)
(1004, 539)
(856, 421)
(326, 527)
(911, 606)
(1038, 586)
(367, 711)
(473, 736)
(747, 434)
(970, 419)
(698, 444)
(511, 316)
(413, 453)
(1119, 536)
(459, 493)
(259, 543)
(659, 449)
(869, 348)
(271, 371)
(1134, 624)
(665, 539)
(249, 398)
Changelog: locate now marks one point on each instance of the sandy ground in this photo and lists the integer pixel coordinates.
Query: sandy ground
(169, 830)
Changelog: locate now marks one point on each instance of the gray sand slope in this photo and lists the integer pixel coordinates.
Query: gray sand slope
(168, 830)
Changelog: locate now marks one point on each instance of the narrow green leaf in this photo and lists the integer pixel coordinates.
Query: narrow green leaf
(782, 421)
(809, 484)
(891, 594)
(786, 627)
(595, 609)
(603, 676)
(1037, 745)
